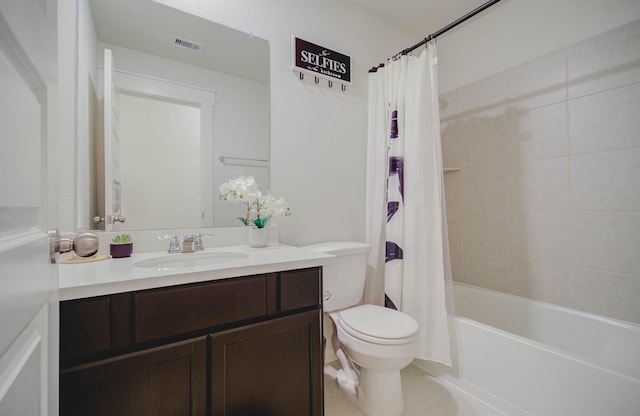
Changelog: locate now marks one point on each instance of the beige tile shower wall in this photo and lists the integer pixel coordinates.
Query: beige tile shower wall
(547, 203)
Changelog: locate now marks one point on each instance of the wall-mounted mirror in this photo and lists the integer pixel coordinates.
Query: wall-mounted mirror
(170, 105)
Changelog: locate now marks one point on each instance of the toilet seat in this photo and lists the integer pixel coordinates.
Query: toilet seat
(378, 325)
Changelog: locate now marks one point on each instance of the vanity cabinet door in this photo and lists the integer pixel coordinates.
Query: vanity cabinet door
(84, 329)
(168, 380)
(270, 368)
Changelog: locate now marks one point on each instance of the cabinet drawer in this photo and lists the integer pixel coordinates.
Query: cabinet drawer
(300, 289)
(167, 312)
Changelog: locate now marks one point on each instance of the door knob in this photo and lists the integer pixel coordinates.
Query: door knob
(83, 244)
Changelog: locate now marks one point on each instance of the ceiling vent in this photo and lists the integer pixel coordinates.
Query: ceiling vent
(188, 44)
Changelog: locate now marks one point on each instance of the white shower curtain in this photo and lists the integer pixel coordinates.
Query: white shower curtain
(405, 196)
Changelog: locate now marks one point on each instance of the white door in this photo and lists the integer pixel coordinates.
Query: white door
(28, 282)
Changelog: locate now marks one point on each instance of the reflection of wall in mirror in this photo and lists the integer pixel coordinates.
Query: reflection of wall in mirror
(240, 120)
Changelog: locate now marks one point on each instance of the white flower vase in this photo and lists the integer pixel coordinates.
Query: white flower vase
(258, 237)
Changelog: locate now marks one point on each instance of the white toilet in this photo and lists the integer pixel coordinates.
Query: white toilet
(373, 343)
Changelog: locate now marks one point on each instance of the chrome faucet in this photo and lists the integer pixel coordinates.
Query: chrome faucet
(190, 243)
(174, 244)
(195, 241)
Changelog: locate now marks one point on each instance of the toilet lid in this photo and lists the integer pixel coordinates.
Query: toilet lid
(378, 324)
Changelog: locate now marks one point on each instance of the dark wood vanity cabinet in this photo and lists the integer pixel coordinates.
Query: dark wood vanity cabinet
(239, 346)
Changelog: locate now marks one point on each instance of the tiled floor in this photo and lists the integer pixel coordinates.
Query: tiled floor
(423, 396)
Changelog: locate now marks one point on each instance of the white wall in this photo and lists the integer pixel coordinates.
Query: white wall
(318, 134)
(515, 31)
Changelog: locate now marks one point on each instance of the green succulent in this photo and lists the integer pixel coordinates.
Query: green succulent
(121, 239)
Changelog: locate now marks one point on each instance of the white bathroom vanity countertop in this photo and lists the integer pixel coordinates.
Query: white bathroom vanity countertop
(110, 276)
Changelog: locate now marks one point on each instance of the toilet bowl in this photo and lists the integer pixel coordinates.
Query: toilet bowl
(377, 338)
(379, 342)
(372, 343)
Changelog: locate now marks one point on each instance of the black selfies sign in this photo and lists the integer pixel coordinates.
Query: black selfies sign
(322, 62)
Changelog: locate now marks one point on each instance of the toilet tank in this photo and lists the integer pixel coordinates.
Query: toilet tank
(343, 280)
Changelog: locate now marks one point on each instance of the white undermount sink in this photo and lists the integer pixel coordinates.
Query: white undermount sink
(183, 260)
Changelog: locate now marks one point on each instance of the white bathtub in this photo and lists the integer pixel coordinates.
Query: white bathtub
(524, 357)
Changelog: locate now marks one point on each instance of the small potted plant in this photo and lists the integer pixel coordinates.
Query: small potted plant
(121, 246)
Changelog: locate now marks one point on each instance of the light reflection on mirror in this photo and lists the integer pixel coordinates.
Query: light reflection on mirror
(163, 185)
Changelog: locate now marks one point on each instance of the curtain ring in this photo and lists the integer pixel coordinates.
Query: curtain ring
(330, 84)
(428, 40)
(317, 79)
(301, 76)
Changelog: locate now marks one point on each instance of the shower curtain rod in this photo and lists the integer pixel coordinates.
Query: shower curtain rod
(441, 31)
